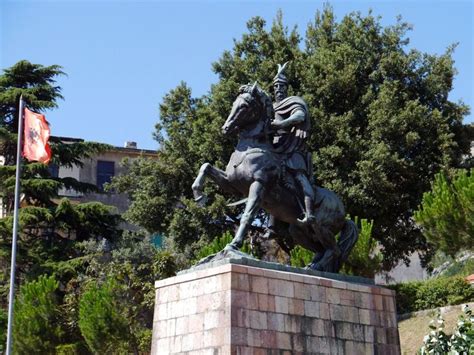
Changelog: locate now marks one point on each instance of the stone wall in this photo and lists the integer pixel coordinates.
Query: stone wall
(238, 309)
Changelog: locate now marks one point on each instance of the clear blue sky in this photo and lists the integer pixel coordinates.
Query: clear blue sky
(122, 57)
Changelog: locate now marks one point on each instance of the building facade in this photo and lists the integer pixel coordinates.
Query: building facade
(99, 170)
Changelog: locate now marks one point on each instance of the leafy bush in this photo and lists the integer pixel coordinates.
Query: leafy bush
(37, 318)
(443, 291)
(100, 319)
(406, 295)
(439, 292)
(460, 342)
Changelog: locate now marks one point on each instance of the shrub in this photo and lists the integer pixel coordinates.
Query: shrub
(406, 296)
(101, 322)
(438, 292)
(443, 291)
(36, 322)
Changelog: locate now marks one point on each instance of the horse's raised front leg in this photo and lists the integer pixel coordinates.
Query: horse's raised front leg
(217, 175)
(254, 202)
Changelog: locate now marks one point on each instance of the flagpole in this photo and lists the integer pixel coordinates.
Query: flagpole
(15, 226)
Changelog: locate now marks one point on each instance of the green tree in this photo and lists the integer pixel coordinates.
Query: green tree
(446, 213)
(382, 127)
(37, 328)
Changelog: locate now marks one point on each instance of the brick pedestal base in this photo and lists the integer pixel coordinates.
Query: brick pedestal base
(238, 309)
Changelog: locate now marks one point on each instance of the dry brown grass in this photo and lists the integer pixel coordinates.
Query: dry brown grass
(413, 330)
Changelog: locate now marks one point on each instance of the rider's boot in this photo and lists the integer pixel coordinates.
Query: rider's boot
(308, 215)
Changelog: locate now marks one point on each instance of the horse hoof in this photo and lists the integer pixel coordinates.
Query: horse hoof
(307, 220)
(201, 200)
(313, 266)
(231, 247)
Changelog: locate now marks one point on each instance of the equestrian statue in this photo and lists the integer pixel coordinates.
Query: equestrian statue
(272, 168)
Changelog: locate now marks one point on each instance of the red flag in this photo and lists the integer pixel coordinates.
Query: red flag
(36, 135)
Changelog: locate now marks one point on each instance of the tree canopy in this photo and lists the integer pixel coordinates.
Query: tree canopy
(382, 126)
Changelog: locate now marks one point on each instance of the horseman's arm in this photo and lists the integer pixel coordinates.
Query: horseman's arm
(296, 117)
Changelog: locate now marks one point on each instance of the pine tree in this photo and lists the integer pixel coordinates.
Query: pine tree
(446, 213)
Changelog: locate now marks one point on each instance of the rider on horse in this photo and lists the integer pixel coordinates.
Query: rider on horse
(292, 125)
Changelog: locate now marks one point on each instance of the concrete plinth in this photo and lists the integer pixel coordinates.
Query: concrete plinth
(229, 308)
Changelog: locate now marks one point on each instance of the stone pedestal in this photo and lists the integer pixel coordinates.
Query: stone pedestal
(230, 308)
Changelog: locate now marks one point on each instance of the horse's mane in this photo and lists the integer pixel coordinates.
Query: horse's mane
(263, 98)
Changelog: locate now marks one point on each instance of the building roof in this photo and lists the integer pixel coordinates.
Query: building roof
(126, 150)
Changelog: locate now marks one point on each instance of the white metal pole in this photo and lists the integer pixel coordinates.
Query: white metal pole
(15, 226)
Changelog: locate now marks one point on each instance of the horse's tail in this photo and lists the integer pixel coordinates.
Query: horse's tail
(347, 240)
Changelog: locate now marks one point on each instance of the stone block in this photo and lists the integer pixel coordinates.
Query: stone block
(182, 324)
(259, 284)
(369, 334)
(363, 300)
(240, 282)
(311, 309)
(365, 316)
(324, 311)
(266, 303)
(213, 319)
(333, 296)
(318, 327)
(312, 344)
(258, 320)
(378, 302)
(196, 322)
(293, 324)
(296, 307)
(298, 343)
(283, 340)
(303, 291)
(281, 305)
(281, 288)
(319, 294)
(276, 321)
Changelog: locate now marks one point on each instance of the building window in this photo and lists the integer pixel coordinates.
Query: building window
(53, 170)
(105, 172)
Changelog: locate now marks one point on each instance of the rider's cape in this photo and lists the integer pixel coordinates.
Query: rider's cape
(291, 140)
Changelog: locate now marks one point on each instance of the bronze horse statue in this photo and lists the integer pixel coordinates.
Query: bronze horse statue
(255, 171)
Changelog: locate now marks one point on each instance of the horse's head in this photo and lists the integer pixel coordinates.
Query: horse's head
(247, 109)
